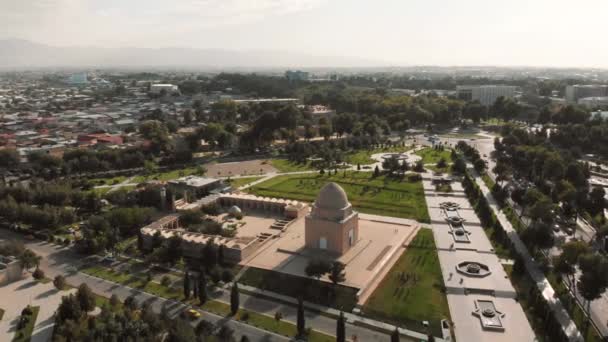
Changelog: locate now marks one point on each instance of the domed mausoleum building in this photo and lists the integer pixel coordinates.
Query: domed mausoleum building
(332, 224)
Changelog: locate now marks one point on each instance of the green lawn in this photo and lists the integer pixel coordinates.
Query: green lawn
(363, 157)
(107, 181)
(284, 165)
(409, 303)
(381, 195)
(431, 156)
(312, 290)
(166, 175)
(25, 334)
(238, 182)
(135, 281)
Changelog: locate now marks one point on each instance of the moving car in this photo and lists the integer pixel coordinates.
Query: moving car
(193, 314)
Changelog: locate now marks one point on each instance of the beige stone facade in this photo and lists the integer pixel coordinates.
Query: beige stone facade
(332, 224)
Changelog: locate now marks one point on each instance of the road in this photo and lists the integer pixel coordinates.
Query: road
(62, 260)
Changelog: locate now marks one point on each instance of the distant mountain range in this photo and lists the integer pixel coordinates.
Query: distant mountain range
(16, 53)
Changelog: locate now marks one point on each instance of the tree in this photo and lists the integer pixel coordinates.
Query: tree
(86, 298)
(459, 166)
(187, 289)
(210, 254)
(69, 309)
(29, 259)
(301, 322)
(340, 329)
(376, 171)
(234, 298)
(336, 272)
(59, 282)
(594, 278)
(114, 301)
(565, 263)
(479, 165)
(317, 267)
(220, 255)
(202, 288)
(395, 335)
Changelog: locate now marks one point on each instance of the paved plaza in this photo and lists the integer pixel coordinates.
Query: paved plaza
(380, 238)
(482, 301)
(17, 295)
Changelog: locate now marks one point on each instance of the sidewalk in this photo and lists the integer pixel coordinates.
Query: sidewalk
(562, 316)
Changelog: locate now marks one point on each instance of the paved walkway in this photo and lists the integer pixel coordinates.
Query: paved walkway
(463, 291)
(17, 295)
(568, 326)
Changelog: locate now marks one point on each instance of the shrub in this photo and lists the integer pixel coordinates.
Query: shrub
(414, 177)
(227, 276)
(114, 301)
(165, 281)
(216, 274)
(245, 316)
(38, 274)
(27, 311)
(59, 282)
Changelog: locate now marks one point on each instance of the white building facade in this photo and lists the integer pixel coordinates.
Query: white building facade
(485, 94)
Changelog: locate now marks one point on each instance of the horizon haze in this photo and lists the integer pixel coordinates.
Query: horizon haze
(308, 33)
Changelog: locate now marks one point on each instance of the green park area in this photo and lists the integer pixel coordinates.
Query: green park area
(364, 157)
(382, 195)
(413, 290)
(238, 182)
(284, 165)
(168, 175)
(432, 156)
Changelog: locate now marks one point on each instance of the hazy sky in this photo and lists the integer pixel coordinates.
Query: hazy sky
(398, 32)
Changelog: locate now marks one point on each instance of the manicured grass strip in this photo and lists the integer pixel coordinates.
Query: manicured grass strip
(432, 156)
(238, 182)
(263, 321)
(284, 165)
(134, 281)
(380, 195)
(25, 334)
(488, 180)
(166, 175)
(421, 297)
(108, 181)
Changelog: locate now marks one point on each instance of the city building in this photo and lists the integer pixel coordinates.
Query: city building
(578, 91)
(485, 94)
(594, 102)
(159, 87)
(78, 79)
(194, 187)
(297, 75)
(332, 224)
(10, 270)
